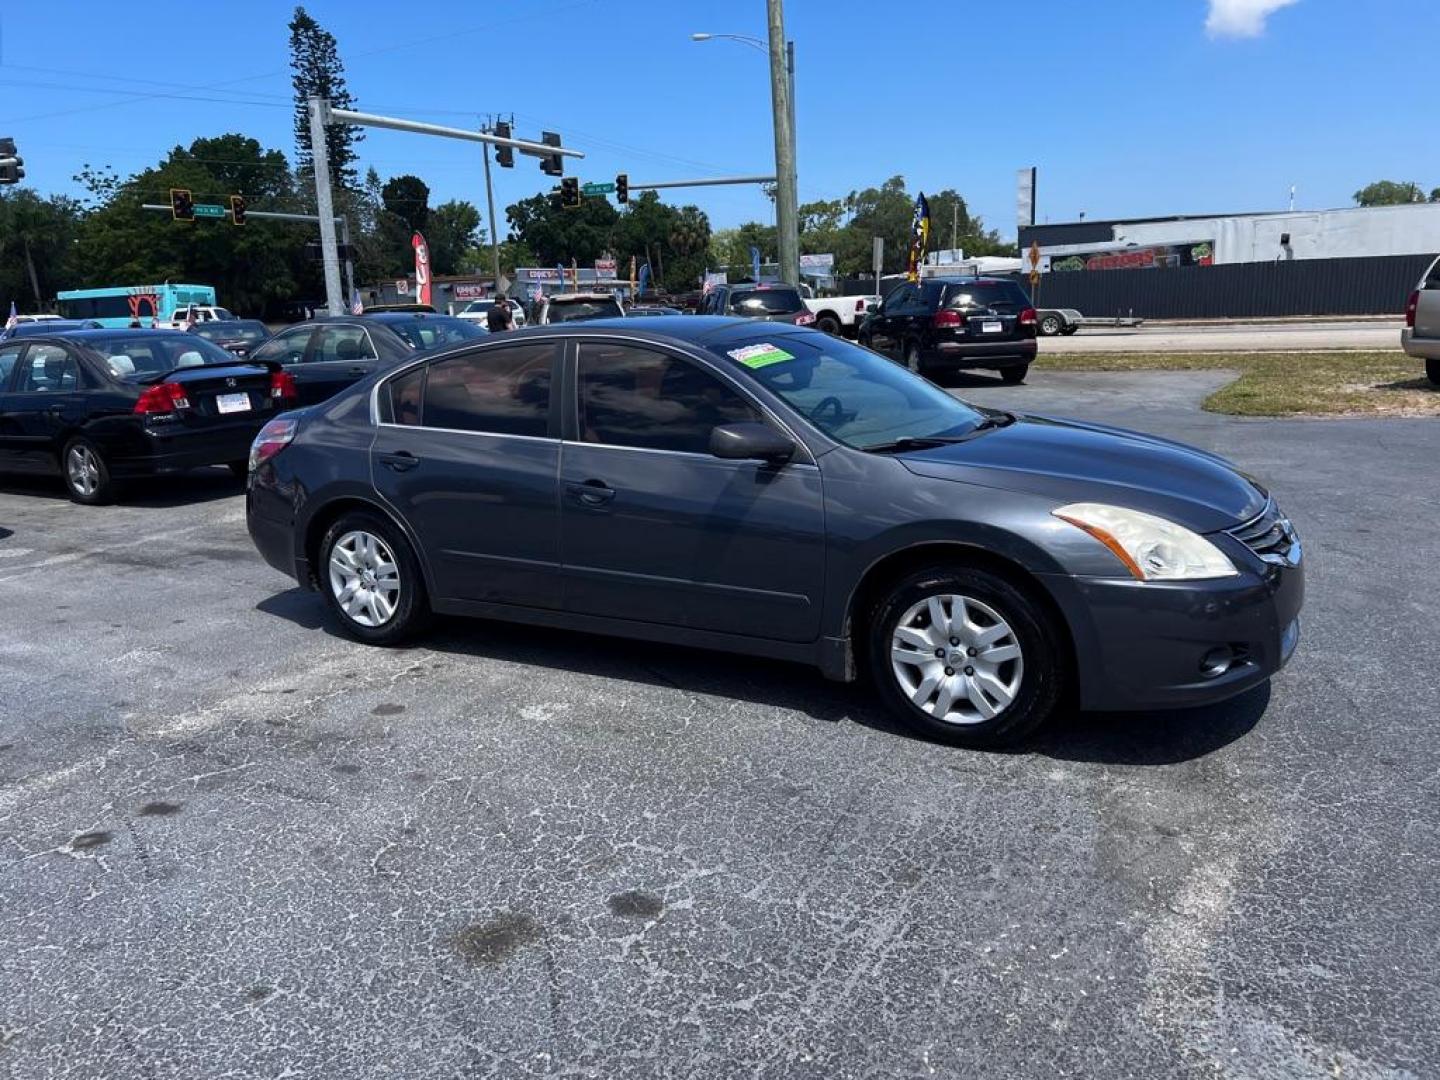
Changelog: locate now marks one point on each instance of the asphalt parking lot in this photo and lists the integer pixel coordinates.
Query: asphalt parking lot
(234, 843)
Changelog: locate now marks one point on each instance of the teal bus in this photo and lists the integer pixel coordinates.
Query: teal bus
(120, 305)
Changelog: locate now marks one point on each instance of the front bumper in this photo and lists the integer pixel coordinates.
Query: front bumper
(1153, 645)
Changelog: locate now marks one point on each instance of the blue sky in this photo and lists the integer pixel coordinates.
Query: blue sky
(1128, 107)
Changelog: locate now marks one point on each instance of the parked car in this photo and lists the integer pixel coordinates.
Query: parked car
(203, 313)
(238, 336)
(326, 355)
(772, 303)
(479, 311)
(48, 326)
(377, 309)
(643, 310)
(840, 314)
(38, 318)
(955, 323)
(99, 406)
(1421, 336)
(771, 490)
(577, 306)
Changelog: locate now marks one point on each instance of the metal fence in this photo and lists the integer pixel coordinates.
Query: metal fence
(1366, 286)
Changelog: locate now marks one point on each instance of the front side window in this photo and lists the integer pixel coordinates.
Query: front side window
(849, 392)
(504, 391)
(898, 298)
(49, 368)
(344, 343)
(288, 348)
(651, 400)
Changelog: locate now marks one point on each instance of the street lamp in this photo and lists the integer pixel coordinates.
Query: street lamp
(782, 99)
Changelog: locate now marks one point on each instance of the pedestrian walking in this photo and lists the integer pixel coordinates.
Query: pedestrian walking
(499, 317)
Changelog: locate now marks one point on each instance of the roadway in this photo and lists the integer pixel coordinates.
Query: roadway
(1233, 337)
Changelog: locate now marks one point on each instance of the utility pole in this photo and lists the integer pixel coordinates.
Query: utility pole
(325, 205)
(786, 196)
(494, 228)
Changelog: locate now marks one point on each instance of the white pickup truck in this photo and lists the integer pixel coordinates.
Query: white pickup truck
(840, 315)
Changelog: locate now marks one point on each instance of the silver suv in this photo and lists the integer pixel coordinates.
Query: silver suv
(1421, 336)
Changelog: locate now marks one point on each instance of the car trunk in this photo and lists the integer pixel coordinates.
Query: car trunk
(220, 394)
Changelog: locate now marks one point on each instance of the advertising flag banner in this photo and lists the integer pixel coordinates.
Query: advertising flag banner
(422, 269)
(919, 236)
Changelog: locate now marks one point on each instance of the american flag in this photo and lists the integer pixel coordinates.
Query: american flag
(190, 317)
(356, 307)
(14, 319)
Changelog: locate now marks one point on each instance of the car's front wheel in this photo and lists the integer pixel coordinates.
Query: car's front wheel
(1432, 371)
(965, 656)
(371, 579)
(87, 477)
(1014, 374)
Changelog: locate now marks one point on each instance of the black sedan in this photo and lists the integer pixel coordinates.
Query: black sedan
(98, 406)
(770, 490)
(239, 336)
(326, 355)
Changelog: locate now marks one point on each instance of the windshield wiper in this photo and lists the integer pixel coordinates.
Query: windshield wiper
(998, 420)
(912, 443)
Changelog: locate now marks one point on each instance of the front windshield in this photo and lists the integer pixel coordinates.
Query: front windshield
(234, 330)
(575, 310)
(850, 393)
(221, 313)
(138, 356)
(433, 331)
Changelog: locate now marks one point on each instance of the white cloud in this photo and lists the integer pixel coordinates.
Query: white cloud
(1241, 18)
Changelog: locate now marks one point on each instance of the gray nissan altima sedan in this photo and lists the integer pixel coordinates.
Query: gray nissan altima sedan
(771, 490)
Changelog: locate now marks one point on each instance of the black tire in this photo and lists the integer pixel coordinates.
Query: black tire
(1015, 374)
(864, 341)
(1039, 675)
(410, 610)
(828, 323)
(1432, 371)
(87, 477)
(1070, 331)
(1051, 325)
(239, 469)
(912, 357)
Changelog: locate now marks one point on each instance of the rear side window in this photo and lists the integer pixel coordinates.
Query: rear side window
(8, 355)
(766, 302)
(502, 391)
(1004, 297)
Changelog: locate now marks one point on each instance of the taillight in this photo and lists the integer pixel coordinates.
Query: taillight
(945, 318)
(1410, 307)
(273, 437)
(1027, 317)
(162, 399)
(805, 318)
(282, 387)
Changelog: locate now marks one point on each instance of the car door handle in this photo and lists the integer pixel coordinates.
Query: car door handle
(591, 492)
(400, 461)
(359, 371)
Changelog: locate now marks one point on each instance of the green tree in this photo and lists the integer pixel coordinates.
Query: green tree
(408, 198)
(36, 240)
(453, 232)
(319, 72)
(557, 235)
(1389, 193)
(730, 248)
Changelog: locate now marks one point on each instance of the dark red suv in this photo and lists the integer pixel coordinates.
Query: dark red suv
(955, 323)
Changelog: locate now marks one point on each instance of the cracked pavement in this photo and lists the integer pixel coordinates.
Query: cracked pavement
(233, 843)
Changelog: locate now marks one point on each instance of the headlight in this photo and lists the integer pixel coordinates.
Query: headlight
(1151, 548)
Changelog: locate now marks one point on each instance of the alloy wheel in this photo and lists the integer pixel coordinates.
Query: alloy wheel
(956, 659)
(82, 468)
(364, 578)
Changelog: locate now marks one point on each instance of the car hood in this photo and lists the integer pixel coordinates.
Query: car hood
(1071, 461)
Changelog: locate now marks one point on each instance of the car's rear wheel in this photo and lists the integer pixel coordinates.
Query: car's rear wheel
(1015, 374)
(371, 579)
(1051, 325)
(963, 655)
(1070, 331)
(87, 477)
(828, 323)
(1432, 371)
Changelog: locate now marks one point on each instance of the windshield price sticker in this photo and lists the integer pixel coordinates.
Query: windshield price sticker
(759, 356)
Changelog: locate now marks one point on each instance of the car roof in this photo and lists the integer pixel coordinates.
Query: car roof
(705, 331)
(968, 280)
(581, 296)
(138, 333)
(405, 316)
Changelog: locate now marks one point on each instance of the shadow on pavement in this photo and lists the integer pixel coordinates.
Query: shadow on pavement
(1151, 738)
(156, 492)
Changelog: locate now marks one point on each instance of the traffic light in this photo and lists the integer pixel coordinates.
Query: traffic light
(552, 164)
(570, 192)
(12, 165)
(622, 188)
(237, 209)
(504, 155)
(182, 206)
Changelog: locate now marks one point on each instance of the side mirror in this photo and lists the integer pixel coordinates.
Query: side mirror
(751, 441)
